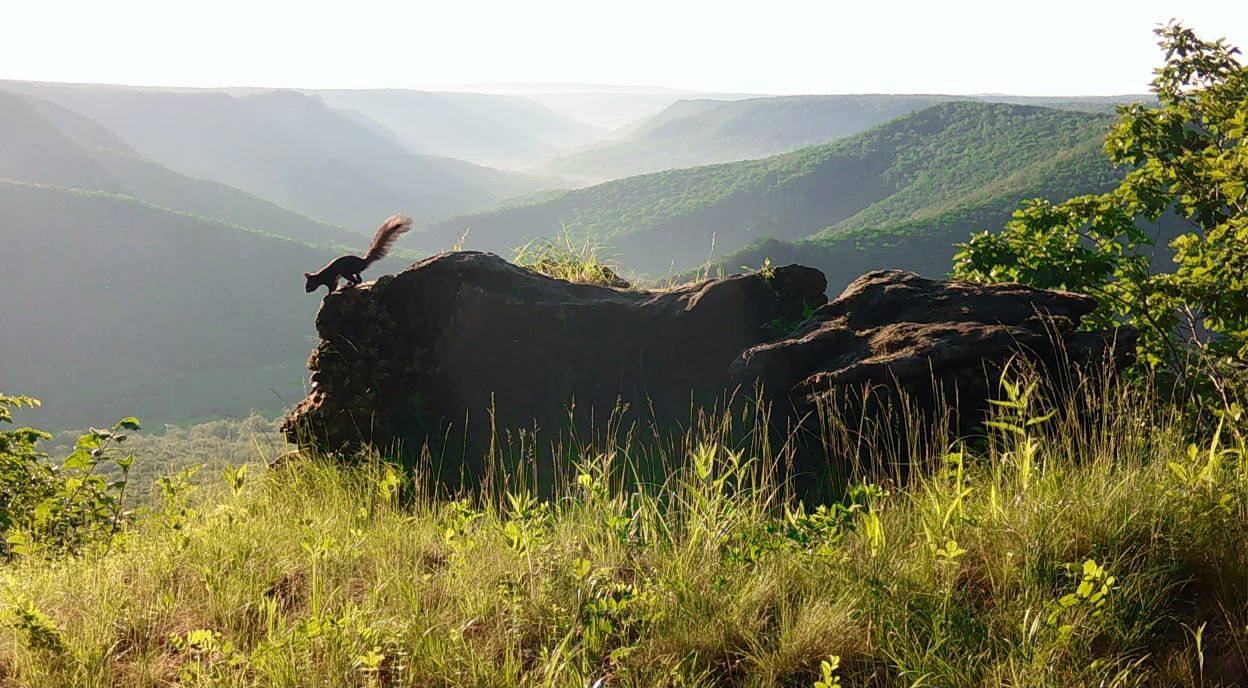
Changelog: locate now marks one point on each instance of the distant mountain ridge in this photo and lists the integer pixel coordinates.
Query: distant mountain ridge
(700, 132)
(44, 143)
(288, 148)
(483, 128)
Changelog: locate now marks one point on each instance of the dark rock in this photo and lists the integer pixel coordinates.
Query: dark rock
(892, 331)
(463, 345)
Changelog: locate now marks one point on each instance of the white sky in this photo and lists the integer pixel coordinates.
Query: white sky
(1036, 47)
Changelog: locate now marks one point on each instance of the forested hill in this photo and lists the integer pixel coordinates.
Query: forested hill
(701, 132)
(950, 168)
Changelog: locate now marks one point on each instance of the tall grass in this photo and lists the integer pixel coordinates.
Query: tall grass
(568, 258)
(1101, 545)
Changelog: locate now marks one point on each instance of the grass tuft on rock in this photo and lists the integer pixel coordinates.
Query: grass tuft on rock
(567, 258)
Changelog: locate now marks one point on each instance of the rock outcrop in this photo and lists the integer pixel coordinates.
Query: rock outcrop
(463, 346)
(466, 344)
(937, 342)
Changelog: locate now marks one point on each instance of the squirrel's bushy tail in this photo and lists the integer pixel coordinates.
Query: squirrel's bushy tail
(385, 236)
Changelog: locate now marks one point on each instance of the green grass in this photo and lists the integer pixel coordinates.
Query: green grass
(566, 258)
(973, 572)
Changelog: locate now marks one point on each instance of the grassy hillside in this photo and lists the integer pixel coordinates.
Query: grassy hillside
(1080, 554)
(700, 132)
(288, 148)
(109, 303)
(47, 144)
(483, 128)
(954, 165)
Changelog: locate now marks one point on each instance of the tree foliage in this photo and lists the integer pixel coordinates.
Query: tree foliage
(1188, 156)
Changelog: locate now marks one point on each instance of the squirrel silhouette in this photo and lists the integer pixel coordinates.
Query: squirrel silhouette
(350, 267)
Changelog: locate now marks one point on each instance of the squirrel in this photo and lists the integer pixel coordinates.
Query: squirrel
(350, 267)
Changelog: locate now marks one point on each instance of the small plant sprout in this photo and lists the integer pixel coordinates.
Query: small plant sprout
(766, 270)
(388, 485)
(461, 241)
(827, 673)
(950, 551)
(235, 477)
(873, 528)
(1014, 421)
(1090, 595)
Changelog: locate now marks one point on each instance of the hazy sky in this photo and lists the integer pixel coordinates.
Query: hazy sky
(1039, 47)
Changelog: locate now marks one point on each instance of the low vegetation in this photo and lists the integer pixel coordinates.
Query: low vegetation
(1058, 549)
(567, 258)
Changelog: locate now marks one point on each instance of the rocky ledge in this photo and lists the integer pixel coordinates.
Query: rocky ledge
(462, 348)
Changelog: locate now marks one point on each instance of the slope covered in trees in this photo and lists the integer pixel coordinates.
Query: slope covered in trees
(700, 132)
(938, 172)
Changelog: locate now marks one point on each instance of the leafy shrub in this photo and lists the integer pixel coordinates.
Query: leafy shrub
(1189, 156)
(50, 509)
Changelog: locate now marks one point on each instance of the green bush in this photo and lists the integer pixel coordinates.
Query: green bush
(51, 509)
(1189, 156)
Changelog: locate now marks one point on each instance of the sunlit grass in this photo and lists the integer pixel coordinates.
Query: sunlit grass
(1082, 550)
(568, 258)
